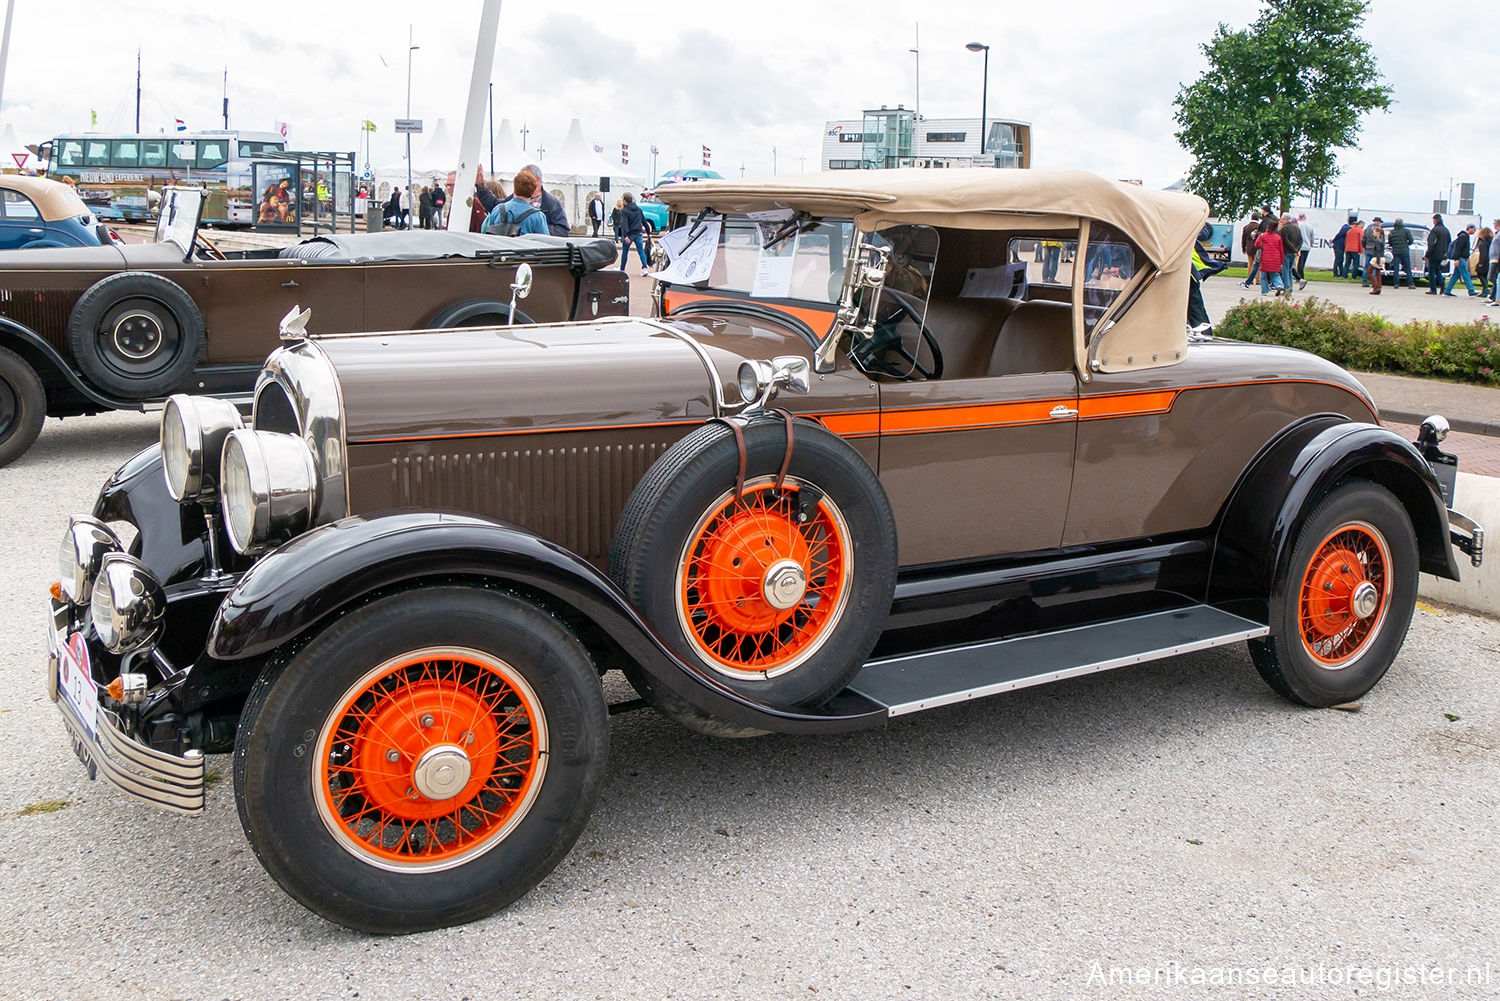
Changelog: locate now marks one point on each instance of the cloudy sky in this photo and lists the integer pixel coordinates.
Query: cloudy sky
(1096, 82)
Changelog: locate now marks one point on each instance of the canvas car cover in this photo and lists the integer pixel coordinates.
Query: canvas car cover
(431, 245)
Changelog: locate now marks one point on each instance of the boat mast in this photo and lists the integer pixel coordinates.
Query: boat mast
(138, 90)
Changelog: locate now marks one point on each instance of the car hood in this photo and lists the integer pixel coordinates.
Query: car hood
(506, 380)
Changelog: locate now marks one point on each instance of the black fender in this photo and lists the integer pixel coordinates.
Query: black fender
(456, 314)
(171, 538)
(311, 579)
(1277, 492)
(45, 358)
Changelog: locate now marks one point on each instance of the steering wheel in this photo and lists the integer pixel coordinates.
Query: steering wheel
(209, 250)
(887, 337)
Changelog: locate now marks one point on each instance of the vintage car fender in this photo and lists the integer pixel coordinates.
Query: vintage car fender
(169, 536)
(335, 567)
(45, 359)
(1281, 486)
(456, 314)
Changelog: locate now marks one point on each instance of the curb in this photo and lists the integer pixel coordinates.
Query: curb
(1479, 589)
(1463, 425)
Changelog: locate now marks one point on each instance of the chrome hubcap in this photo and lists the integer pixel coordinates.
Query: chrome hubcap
(137, 335)
(442, 772)
(785, 584)
(1365, 600)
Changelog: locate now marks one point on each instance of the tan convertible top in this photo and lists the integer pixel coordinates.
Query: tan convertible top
(1161, 223)
(54, 200)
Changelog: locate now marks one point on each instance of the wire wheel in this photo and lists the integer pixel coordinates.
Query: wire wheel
(1344, 595)
(430, 759)
(764, 577)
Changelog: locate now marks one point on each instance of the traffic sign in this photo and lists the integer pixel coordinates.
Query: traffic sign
(20, 159)
(408, 125)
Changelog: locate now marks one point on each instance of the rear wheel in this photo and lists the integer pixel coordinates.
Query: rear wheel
(1340, 612)
(424, 761)
(23, 406)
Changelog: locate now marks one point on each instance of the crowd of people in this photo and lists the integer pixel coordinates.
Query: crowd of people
(1277, 248)
(528, 208)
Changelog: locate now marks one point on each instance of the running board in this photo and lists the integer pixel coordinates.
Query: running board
(909, 683)
(243, 401)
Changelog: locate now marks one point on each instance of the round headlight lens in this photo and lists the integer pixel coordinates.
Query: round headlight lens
(127, 607)
(270, 488)
(754, 376)
(83, 547)
(193, 429)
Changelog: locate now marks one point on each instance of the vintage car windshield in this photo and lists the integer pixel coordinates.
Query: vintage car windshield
(777, 255)
(178, 219)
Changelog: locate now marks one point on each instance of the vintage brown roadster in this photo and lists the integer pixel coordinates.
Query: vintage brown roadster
(881, 450)
(121, 326)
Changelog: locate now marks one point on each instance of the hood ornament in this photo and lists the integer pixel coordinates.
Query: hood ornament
(293, 325)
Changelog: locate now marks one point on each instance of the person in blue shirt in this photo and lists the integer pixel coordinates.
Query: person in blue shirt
(516, 215)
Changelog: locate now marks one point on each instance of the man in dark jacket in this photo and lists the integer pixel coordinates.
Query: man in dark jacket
(1339, 264)
(1291, 241)
(632, 230)
(1398, 241)
(1248, 233)
(1437, 248)
(557, 219)
(1460, 258)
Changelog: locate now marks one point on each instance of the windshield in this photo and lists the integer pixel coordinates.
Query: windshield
(774, 255)
(178, 221)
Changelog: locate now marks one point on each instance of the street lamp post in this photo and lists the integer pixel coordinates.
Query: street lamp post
(410, 48)
(984, 98)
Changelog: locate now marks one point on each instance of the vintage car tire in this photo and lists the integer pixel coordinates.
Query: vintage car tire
(476, 313)
(136, 335)
(419, 675)
(23, 406)
(681, 539)
(1358, 534)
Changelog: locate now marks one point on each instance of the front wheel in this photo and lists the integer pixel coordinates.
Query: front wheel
(1340, 612)
(23, 406)
(424, 761)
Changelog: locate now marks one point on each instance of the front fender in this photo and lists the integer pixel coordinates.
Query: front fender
(323, 572)
(1260, 522)
(171, 538)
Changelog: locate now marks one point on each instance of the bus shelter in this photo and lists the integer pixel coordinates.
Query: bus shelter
(303, 191)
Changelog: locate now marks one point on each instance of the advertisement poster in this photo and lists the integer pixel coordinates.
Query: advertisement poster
(276, 187)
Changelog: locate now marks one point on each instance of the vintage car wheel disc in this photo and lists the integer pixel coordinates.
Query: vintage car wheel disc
(1343, 598)
(430, 759)
(758, 591)
(138, 337)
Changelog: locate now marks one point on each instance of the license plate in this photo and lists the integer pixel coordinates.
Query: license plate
(76, 683)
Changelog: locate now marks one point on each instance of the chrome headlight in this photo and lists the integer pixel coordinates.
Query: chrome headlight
(269, 487)
(193, 429)
(84, 546)
(127, 607)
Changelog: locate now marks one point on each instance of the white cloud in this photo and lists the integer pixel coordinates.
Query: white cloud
(1095, 78)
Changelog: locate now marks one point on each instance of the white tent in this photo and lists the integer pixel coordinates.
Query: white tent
(430, 164)
(509, 157)
(14, 155)
(575, 170)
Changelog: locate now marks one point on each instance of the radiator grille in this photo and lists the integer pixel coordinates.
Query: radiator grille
(44, 311)
(571, 496)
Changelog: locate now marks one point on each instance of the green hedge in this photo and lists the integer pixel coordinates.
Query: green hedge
(1466, 352)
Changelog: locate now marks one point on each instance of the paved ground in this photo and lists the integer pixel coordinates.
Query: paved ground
(1396, 304)
(1172, 813)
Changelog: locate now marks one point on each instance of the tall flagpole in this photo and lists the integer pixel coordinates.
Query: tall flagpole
(10, 9)
(468, 143)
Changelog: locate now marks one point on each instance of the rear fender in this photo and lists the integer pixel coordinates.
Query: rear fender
(312, 579)
(1278, 491)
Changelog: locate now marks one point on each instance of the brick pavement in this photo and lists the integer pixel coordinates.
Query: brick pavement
(1477, 453)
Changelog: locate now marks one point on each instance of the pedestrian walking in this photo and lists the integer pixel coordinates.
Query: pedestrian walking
(1482, 259)
(632, 230)
(1307, 245)
(1459, 255)
(596, 212)
(1272, 255)
(1354, 249)
(1398, 245)
(424, 206)
(1438, 241)
(614, 220)
(439, 202)
(1291, 242)
(1338, 248)
(1366, 244)
(1374, 254)
(1494, 268)
(393, 209)
(1248, 233)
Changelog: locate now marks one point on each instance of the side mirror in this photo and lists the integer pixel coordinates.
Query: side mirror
(519, 289)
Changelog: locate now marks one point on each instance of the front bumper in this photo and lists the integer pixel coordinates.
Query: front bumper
(106, 747)
(1473, 542)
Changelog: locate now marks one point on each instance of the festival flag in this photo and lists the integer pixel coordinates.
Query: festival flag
(624, 154)
(367, 125)
(707, 155)
(181, 125)
(281, 129)
(93, 117)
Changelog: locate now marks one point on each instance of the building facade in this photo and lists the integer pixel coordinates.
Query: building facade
(895, 137)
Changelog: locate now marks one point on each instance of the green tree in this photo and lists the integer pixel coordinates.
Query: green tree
(1278, 100)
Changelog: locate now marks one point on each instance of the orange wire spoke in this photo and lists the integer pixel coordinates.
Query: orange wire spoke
(1332, 632)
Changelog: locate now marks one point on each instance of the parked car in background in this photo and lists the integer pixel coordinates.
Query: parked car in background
(123, 326)
(871, 457)
(654, 211)
(36, 212)
(1221, 239)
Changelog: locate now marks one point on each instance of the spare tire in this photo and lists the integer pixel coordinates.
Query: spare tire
(780, 594)
(136, 335)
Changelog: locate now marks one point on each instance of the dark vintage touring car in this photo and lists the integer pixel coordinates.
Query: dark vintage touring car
(122, 326)
(876, 453)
